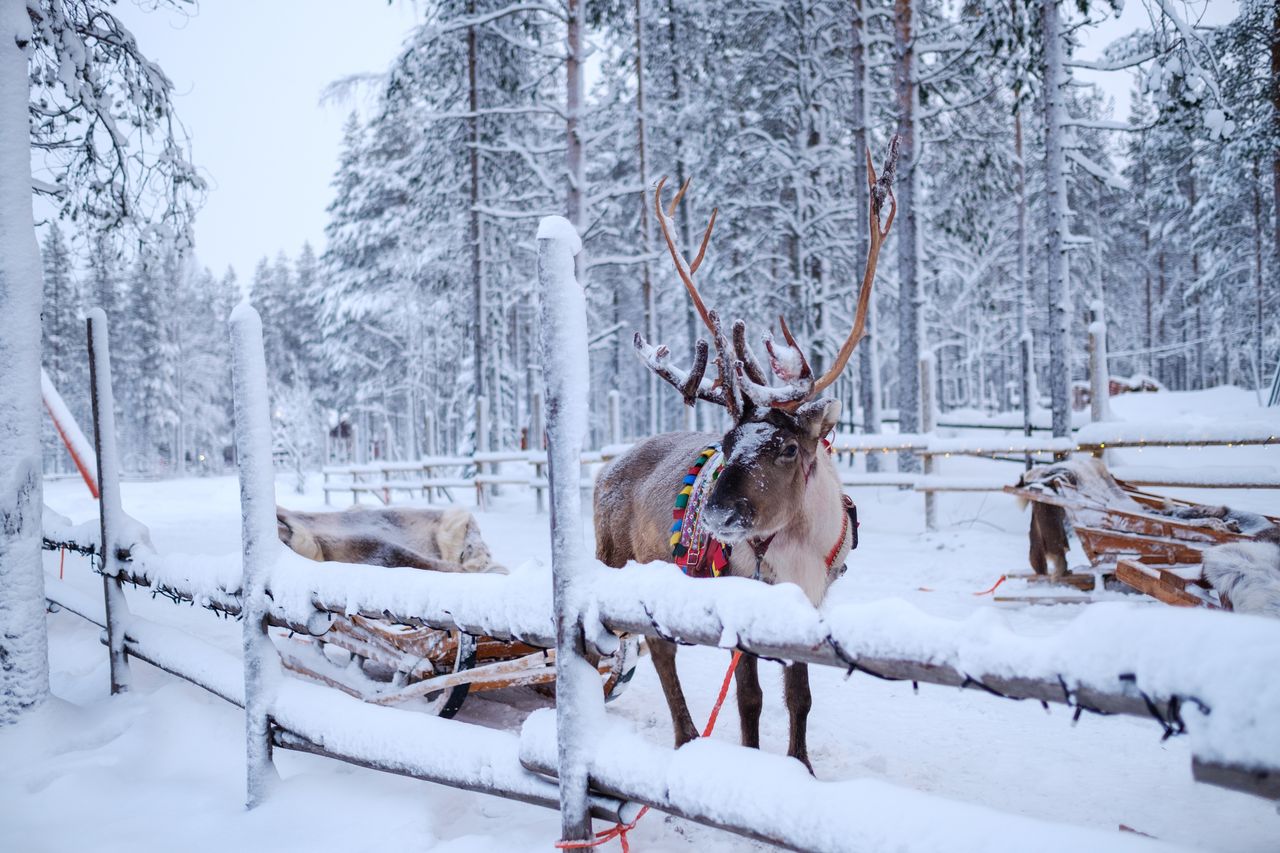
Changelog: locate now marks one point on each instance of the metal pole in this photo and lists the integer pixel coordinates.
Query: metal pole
(110, 508)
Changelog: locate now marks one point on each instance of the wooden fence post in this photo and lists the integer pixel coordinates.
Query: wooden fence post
(1027, 388)
(110, 508)
(482, 445)
(537, 431)
(1099, 375)
(579, 701)
(615, 416)
(260, 543)
(928, 420)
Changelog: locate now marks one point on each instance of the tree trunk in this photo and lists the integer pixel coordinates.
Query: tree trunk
(868, 364)
(910, 299)
(1026, 344)
(574, 102)
(1258, 280)
(24, 654)
(646, 236)
(692, 324)
(473, 219)
(1056, 219)
(1275, 133)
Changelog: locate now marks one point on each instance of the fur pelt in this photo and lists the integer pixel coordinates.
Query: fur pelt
(1247, 573)
(438, 540)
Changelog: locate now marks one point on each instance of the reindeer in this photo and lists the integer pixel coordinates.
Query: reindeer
(777, 506)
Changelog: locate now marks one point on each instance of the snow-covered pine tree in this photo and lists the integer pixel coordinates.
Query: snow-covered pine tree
(63, 338)
(75, 88)
(202, 365)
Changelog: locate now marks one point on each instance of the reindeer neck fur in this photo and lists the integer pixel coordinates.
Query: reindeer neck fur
(798, 553)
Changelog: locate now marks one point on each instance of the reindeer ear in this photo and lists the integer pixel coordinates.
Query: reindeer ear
(818, 417)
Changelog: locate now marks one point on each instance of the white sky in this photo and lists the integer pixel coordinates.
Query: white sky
(1119, 84)
(248, 76)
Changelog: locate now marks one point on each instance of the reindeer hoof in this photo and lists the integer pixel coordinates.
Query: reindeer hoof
(684, 737)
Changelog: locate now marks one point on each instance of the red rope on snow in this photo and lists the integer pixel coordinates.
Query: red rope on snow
(620, 830)
(1003, 578)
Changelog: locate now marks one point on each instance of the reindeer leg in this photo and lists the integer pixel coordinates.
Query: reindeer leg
(750, 699)
(663, 653)
(799, 701)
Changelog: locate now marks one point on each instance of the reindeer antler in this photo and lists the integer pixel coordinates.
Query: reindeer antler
(741, 377)
(691, 385)
(788, 361)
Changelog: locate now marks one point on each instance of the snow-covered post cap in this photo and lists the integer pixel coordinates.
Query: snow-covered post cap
(564, 329)
(244, 313)
(559, 228)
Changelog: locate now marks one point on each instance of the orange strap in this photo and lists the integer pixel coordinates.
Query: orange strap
(1003, 578)
(62, 561)
(619, 831)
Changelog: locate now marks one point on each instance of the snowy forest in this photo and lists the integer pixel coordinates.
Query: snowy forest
(1026, 196)
(328, 468)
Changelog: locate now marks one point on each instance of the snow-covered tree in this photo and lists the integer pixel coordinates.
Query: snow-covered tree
(63, 337)
(76, 90)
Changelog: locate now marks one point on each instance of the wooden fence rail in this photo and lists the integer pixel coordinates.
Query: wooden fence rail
(424, 477)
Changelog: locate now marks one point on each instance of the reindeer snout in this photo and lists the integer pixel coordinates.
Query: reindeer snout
(730, 519)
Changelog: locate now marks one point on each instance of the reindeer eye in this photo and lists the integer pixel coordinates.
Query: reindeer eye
(790, 451)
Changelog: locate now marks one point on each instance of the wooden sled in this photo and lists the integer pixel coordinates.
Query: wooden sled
(1150, 543)
(386, 664)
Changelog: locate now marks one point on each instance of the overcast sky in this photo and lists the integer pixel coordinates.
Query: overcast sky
(249, 75)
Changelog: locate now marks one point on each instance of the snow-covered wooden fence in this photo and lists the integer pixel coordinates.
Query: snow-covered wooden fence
(1206, 673)
(433, 477)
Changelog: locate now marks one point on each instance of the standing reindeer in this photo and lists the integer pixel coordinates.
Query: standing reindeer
(775, 511)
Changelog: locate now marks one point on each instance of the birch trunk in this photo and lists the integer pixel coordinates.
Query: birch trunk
(574, 102)
(868, 360)
(1275, 133)
(646, 236)
(910, 299)
(473, 219)
(1259, 291)
(1026, 344)
(1056, 218)
(24, 654)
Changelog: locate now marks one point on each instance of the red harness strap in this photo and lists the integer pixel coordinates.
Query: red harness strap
(619, 831)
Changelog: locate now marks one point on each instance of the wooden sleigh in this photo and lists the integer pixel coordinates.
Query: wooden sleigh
(1150, 543)
(383, 663)
(387, 664)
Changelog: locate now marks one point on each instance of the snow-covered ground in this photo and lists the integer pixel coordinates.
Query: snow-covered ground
(162, 768)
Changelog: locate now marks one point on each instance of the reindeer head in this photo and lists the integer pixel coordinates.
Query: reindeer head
(773, 447)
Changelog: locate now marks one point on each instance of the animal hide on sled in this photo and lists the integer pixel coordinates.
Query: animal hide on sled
(438, 540)
(1247, 573)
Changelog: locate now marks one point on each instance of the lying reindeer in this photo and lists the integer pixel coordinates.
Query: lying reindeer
(775, 511)
(438, 540)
